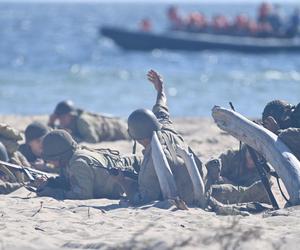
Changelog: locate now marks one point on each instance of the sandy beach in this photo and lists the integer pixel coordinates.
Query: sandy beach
(29, 222)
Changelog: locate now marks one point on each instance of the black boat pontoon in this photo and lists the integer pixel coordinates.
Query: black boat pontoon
(175, 40)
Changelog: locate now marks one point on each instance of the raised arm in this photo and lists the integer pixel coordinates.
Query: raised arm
(160, 109)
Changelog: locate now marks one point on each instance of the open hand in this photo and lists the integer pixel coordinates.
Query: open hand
(156, 79)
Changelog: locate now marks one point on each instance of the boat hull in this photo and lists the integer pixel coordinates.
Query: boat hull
(146, 41)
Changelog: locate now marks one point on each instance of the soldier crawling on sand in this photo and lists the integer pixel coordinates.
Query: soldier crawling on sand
(85, 126)
(141, 125)
(84, 173)
(233, 177)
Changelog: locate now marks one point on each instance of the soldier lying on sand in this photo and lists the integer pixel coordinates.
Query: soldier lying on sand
(141, 125)
(84, 173)
(234, 177)
(87, 127)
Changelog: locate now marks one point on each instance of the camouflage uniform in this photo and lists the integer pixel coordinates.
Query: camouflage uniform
(87, 175)
(93, 128)
(148, 184)
(291, 137)
(236, 182)
(8, 187)
(10, 139)
(8, 181)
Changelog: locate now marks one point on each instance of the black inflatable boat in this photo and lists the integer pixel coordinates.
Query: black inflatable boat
(175, 40)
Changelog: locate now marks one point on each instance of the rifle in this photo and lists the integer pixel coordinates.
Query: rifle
(31, 173)
(261, 166)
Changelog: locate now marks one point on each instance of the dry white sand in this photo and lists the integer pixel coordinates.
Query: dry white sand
(28, 222)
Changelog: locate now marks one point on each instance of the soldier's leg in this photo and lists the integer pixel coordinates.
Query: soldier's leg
(230, 194)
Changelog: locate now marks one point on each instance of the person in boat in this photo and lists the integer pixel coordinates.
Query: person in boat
(264, 12)
(85, 126)
(176, 20)
(253, 28)
(84, 173)
(241, 25)
(145, 25)
(294, 24)
(220, 24)
(275, 19)
(270, 20)
(142, 125)
(196, 22)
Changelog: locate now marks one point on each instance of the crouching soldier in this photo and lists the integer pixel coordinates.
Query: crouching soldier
(234, 178)
(84, 173)
(87, 127)
(141, 126)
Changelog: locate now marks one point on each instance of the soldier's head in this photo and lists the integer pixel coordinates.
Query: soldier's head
(65, 111)
(3, 153)
(58, 147)
(141, 125)
(280, 111)
(34, 135)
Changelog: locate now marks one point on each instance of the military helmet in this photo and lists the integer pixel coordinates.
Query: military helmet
(64, 107)
(142, 123)
(278, 109)
(3, 153)
(58, 145)
(35, 130)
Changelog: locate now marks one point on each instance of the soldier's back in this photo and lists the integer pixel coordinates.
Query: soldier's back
(95, 128)
(104, 185)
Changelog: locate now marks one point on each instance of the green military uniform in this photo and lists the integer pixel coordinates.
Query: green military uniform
(8, 187)
(93, 128)
(88, 127)
(86, 174)
(148, 183)
(8, 181)
(236, 182)
(10, 139)
(291, 137)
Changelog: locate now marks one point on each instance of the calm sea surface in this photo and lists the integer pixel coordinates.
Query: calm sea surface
(50, 52)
